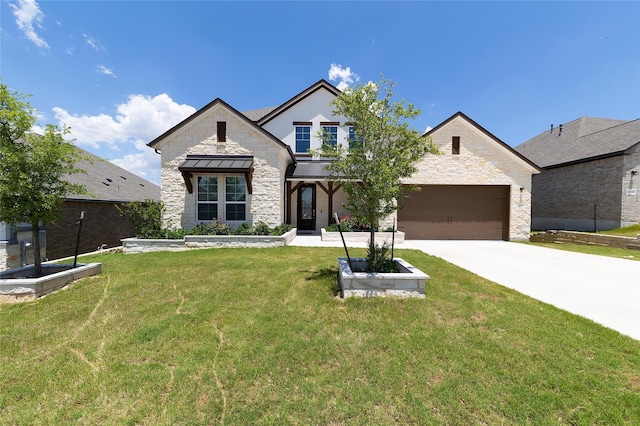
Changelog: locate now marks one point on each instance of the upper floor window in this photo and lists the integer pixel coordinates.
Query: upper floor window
(355, 142)
(303, 138)
(330, 136)
(455, 145)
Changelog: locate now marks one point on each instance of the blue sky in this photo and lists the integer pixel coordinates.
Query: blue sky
(120, 73)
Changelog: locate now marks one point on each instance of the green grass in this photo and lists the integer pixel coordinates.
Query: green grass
(597, 250)
(257, 336)
(629, 231)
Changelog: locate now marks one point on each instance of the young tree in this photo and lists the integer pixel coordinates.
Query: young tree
(382, 151)
(33, 168)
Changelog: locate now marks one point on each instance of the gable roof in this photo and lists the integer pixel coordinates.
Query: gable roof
(240, 115)
(581, 140)
(488, 134)
(322, 84)
(107, 182)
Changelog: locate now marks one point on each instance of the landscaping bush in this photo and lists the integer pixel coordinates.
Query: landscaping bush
(350, 224)
(243, 229)
(214, 228)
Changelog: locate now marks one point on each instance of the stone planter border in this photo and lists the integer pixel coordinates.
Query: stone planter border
(190, 242)
(410, 282)
(362, 237)
(36, 287)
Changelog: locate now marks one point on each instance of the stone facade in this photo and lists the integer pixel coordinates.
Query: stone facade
(481, 161)
(199, 137)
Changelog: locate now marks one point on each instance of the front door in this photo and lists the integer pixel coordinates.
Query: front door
(307, 207)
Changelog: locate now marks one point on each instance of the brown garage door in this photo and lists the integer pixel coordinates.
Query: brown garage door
(456, 212)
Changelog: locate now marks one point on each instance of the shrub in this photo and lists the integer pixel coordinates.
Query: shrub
(214, 228)
(243, 229)
(377, 259)
(350, 224)
(261, 229)
(282, 229)
(145, 216)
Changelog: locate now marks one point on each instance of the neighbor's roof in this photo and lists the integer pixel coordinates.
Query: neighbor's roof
(108, 182)
(581, 140)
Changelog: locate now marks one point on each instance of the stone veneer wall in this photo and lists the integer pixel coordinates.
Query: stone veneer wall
(199, 137)
(564, 197)
(481, 162)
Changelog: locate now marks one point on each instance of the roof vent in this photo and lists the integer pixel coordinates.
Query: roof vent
(559, 129)
(123, 177)
(551, 131)
(109, 180)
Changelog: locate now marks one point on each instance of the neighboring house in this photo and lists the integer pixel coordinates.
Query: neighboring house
(103, 226)
(254, 166)
(591, 175)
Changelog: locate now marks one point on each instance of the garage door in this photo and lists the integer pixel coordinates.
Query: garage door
(456, 212)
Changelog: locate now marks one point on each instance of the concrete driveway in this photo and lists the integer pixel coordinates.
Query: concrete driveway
(603, 289)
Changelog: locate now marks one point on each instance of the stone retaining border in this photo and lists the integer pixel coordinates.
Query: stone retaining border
(585, 238)
(190, 242)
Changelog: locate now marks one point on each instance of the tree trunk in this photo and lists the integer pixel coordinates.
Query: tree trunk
(35, 242)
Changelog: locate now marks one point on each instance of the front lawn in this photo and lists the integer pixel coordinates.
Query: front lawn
(246, 336)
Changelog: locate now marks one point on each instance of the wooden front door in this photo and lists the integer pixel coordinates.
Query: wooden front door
(307, 207)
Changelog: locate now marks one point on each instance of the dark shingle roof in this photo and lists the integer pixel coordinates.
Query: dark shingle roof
(583, 139)
(257, 114)
(308, 169)
(108, 182)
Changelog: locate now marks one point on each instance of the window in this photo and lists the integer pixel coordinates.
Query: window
(207, 198)
(236, 198)
(222, 131)
(330, 136)
(355, 142)
(455, 145)
(303, 139)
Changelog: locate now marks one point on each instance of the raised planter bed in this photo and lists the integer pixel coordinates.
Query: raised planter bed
(363, 237)
(409, 282)
(19, 283)
(189, 242)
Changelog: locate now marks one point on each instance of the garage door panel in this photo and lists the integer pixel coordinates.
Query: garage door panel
(456, 212)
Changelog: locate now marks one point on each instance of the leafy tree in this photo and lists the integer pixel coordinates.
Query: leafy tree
(33, 168)
(382, 151)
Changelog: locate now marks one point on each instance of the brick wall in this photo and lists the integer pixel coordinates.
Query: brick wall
(564, 197)
(102, 224)
(631, 189)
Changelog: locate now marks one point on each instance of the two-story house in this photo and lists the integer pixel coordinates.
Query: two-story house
(254, 166)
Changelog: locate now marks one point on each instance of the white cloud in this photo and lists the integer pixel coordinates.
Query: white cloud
(344, 75)
(427, 129)
(101, 69)
(136, 122)
(28, 15)
(97, 46)
(145, 162)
